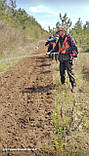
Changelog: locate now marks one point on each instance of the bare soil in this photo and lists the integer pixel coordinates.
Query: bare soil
(26, 105)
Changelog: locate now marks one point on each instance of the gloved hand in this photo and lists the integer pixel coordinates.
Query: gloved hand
(63, 51)
(47, 42)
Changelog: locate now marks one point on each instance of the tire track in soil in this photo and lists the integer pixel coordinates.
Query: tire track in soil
(26, 104)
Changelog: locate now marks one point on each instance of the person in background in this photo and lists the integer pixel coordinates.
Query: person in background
(50, 45)
(53, 41)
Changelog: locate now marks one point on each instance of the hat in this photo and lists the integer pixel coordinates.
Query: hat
(51, 36)
(62, 28)
(57, 33)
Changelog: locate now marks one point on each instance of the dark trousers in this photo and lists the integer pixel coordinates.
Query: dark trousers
(67, 65)
(55, 56)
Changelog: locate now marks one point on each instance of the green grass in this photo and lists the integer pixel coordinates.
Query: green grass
(71, 115)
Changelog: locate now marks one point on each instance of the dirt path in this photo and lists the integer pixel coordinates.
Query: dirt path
(26, 104)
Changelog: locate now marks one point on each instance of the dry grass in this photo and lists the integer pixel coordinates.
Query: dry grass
(71, 117)
(13, 40)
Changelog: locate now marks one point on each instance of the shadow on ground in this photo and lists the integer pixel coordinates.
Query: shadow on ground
(46, 72)
(43, 65)
(38, 89)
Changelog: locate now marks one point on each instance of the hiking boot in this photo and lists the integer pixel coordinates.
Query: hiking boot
(74, 89)
(63, 84)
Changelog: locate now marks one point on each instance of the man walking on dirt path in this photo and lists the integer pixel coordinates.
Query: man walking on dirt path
(67, 51)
